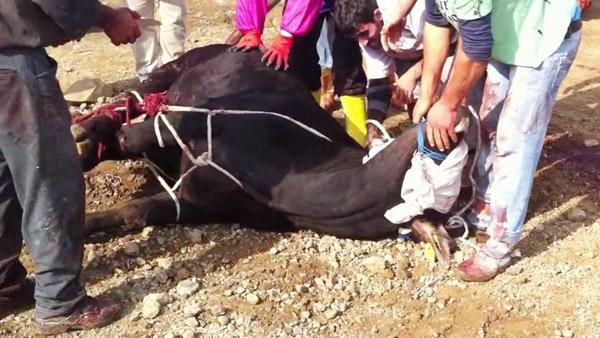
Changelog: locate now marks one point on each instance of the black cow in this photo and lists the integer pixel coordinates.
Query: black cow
(291, 179)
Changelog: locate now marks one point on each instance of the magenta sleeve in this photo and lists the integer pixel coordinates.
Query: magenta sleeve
(299, 16)
(250, 15)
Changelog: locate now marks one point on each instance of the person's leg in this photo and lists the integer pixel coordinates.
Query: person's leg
(519, 139)
(304, 59)
(326, 62)
(12, 273)
(146, 49)
(350, 84)
(492, 100)
(40, 153)
(172, 29)
(521, 131)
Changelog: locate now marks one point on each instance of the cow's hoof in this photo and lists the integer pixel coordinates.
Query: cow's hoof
(86, 145)
(437, 236)
(95, 140)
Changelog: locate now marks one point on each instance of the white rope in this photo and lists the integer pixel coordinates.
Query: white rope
(137, 96)
(457, 220)
(205, 159)
(170, 190)
(245, 112)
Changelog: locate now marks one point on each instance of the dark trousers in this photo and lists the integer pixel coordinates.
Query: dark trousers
(41, 183)
(348, 75)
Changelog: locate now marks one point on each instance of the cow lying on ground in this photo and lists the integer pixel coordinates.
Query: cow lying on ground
(290, 178)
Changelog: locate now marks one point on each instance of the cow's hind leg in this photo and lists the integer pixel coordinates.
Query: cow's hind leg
(155, 210)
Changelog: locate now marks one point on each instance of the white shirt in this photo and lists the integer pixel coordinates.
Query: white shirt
(409, 46)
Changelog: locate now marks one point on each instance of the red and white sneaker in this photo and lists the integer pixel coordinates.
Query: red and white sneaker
(491, 260)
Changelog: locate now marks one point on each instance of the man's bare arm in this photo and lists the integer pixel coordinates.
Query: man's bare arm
(436, 41)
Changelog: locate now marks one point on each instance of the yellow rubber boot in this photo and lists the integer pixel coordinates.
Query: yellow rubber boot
(316, 94)
(355, 109)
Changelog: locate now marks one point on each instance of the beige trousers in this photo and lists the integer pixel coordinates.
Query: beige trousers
(158, 44)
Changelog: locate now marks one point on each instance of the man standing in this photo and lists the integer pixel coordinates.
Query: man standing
(535, 43)
(41, 186)
(158, 45)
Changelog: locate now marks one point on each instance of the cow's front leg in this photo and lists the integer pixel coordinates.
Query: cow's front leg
(155, 210)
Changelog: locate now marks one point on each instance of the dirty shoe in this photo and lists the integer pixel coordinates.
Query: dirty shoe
(485, 264)
(88, 314)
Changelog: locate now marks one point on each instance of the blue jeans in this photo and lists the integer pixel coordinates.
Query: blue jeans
(515, 112)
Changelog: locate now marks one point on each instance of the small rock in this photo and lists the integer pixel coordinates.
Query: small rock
(170, 335)
(218, 311)
(223, 320)
(301, 288)
(162, 298)
(591, 143)
(194, 235)
(305, 314)
(187, 287)
(514, 270)
(165, 263)
(576, 214)
(252, 299)
(150, 308)
(182, 273)
(228, 293)
(191, 322)
(192, 310)
(540, 227)
(330, 314)
(92, 256)
(567, 333)
(273, 251)
(319, 307)
(131, 249)
(188, 334)
(146, 232)
(374, 264)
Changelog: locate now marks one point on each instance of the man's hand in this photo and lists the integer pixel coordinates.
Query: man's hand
(249, 41)
(441, 120)
(279, 53)
(120, 25)
(404, 87)
(391, 32)
(394, 24)
(421, 109)
(584, 4)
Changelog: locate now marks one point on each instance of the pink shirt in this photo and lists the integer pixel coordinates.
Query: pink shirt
(297, 19)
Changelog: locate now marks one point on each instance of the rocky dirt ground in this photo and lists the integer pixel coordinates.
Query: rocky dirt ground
(226, 281)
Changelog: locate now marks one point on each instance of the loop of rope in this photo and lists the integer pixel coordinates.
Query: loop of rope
(205, 159)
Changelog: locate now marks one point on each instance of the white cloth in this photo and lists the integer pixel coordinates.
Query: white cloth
(158, 44)
(427, 185)
(380, 64)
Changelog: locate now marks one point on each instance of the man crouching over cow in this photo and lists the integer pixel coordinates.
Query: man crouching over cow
(41, 185)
